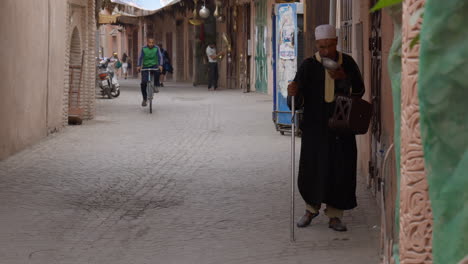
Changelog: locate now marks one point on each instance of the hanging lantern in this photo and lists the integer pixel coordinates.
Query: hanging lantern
(204, 12)
(216, 12)
(195, 20)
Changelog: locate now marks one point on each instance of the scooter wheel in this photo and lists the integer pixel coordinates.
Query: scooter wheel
(115, 94)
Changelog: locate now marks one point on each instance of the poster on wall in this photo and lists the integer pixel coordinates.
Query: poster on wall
(287, 32)
(287, 50)
(286, 58)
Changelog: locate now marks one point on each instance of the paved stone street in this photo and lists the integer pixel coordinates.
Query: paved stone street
(204, 179)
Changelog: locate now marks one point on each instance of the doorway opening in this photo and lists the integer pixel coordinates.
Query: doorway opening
(75, 111)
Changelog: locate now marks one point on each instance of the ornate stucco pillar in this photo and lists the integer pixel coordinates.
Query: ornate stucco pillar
(415, 207)
(66, 84)
(91, 59)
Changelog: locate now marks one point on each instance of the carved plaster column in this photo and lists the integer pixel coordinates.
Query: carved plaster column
(415, 207)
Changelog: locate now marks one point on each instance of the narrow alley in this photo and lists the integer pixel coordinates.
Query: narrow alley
(204, 179)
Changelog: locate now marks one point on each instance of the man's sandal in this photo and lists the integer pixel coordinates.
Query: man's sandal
(306, 219)
(336, 224)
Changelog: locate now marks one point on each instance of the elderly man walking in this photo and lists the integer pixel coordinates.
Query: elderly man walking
(327, 170)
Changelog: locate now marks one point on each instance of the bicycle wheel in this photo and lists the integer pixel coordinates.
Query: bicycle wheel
(151, 106)
(149, 92)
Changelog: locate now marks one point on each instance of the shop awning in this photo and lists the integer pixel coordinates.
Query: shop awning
(108, 19)
(121, 17)
(128, 20)
(150, 5)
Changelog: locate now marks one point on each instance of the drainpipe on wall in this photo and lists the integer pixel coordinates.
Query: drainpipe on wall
(48, 69)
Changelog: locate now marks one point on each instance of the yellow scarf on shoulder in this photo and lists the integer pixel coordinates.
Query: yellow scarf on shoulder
(329, 82)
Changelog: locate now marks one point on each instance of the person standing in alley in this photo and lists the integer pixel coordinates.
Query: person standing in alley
(150, 58)
(213, 65)
(129, 67)
(167, 66)
(113, 66)
(327, 166)
(124, 65)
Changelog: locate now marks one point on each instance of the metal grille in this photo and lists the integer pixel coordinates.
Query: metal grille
(375, 48)
(346, 27)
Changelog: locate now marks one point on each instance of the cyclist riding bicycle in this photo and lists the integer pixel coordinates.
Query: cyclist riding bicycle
(150, 58)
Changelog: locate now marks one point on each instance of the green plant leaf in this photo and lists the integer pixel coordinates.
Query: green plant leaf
(384, 3)
(414, 41)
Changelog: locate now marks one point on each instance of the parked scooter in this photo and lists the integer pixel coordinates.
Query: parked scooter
(107, 80)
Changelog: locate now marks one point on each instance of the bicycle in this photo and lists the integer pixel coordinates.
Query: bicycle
(150, 88)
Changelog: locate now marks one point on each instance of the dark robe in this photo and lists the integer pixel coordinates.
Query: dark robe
(327, 166)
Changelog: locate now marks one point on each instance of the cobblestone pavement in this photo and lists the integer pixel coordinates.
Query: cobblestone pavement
(204, 179)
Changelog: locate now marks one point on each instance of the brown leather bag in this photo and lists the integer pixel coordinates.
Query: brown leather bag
(351, 115)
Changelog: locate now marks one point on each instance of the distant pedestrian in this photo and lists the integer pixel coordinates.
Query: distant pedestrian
(167, 66)
(130, 66)
(113, 66)
(213, 65)
(125, 65)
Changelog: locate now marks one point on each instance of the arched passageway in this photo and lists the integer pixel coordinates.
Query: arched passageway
(75, 68)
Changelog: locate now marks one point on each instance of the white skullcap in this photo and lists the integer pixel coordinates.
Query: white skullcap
(325, 32)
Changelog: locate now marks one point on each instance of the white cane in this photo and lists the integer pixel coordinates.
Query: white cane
(293, 163)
